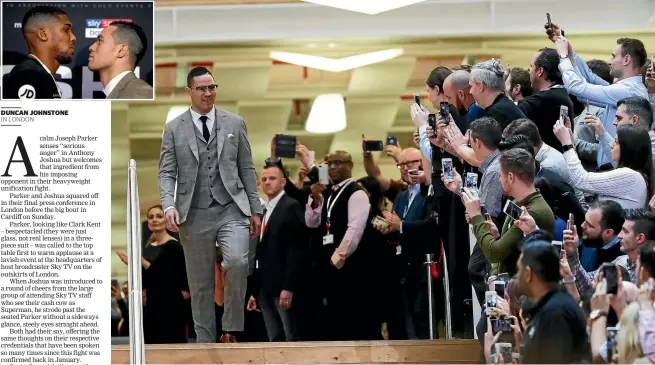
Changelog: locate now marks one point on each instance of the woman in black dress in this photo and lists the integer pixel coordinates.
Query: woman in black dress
(164, 284)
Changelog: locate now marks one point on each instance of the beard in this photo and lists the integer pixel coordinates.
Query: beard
(64, 58)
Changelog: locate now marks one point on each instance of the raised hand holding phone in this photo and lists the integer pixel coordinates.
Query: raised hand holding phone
(491, 225)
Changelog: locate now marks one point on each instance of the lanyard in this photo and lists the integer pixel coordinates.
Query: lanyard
(330, 206)
(411, 200)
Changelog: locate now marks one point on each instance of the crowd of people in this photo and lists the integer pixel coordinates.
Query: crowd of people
(549, 170)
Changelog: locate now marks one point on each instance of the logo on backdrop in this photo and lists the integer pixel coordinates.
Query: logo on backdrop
(93, 27)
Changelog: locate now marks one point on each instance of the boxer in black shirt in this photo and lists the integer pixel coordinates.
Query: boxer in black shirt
(51, 42)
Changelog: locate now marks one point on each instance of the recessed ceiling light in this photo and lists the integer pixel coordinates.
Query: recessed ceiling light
(328, 114)
(370, 7)
(336, 65)
(332, 45)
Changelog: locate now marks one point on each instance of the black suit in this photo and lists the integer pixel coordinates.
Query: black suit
(280, 262)
(419, 237)
(38, 82)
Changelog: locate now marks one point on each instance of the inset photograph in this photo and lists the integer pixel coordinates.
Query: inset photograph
(77, 50)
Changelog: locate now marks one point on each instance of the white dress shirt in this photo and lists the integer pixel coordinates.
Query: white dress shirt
(270, 205)
(112, 84)
(210, 119)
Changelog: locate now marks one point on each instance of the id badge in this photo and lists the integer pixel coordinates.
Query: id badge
(399, 249)
(328, 239)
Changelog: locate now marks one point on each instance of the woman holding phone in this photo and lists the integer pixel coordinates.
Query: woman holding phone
(630, 183)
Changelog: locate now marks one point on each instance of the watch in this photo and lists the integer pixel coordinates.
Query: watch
(567, 147)
(563, 56)
(596, 313)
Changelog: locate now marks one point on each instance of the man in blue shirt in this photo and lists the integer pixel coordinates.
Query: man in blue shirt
(626, 63)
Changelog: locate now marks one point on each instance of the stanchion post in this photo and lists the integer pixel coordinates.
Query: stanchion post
(428, 262)
(446, 289)
(137, 350)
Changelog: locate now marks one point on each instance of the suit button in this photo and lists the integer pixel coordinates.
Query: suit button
(208, 158)
(210, 168)
(211, 186)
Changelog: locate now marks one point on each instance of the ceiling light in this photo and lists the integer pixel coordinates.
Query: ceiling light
(175, 111)
(336, 65)
(370, 7)
(328, 114)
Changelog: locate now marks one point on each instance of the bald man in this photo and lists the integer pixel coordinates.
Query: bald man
(456, 88)
(414, 229)
(51, 42)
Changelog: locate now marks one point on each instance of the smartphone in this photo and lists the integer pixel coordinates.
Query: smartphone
(285, 146)
(413, 172)
(312, 156)
(372, 146)
(564, 113)
(512, 210)
(611, 276)
(444, 111)
(570, 223)
(447, 168)
(503, 351)
(417, 99)
(549, 24)
(471, 180)
(501, 325)
(612, 350)
(392, 141)
(432, 122)
(490, 300)
(323, 178)
(378, 222)
(558, 246)
(499, 288)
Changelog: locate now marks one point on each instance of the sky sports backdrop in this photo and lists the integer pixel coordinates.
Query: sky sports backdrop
(88, 18)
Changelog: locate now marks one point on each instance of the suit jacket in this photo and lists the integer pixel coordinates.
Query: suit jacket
(131, 87)
(281, 251)
(420, 234)
(178, 162)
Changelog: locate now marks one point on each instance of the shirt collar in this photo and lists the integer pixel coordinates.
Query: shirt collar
(631, 80)
(414, 188)
(528, 198)
(112, 84)
(611, 244)
(341, 184)
(270, 205)
(47, 70)
(196, 116)
(487, 161)
(542, 302)
(542, 152)
(498, 98)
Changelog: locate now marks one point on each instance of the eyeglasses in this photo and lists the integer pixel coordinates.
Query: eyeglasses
(204, 88)
(336, 162)
(407, 164)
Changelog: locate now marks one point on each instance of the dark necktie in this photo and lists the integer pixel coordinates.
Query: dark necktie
(205, 130)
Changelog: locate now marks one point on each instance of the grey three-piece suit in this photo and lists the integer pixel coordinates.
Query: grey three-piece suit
(131, 87)
(216, 193)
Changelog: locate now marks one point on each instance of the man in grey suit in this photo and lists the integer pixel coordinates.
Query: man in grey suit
(115, 54)
(205, 152)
